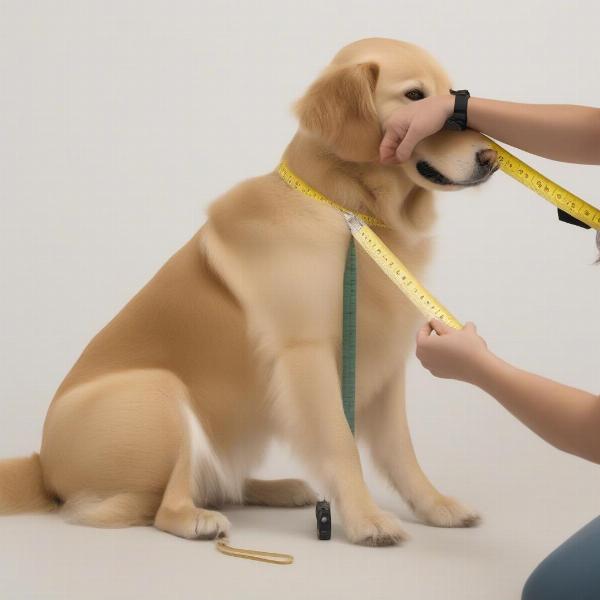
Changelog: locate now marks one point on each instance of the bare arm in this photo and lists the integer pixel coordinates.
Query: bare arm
(564, 132)
(566, 417)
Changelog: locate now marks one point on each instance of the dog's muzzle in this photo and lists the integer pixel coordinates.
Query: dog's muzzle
(485, 165)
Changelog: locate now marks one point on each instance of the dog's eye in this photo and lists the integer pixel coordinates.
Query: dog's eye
(415, 94)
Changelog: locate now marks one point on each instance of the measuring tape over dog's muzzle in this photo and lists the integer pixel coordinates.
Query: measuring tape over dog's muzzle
(571, 208)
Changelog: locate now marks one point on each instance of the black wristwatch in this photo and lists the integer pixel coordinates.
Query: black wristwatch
(457, 121)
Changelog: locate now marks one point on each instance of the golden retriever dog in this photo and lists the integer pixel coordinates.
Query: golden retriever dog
(236, 340)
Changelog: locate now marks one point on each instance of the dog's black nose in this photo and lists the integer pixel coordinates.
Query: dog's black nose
(486, 158)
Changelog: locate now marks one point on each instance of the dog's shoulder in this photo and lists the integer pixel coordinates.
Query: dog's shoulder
(266, 208)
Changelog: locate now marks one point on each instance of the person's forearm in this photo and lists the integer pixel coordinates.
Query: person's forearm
(566, 417)
(565, 132)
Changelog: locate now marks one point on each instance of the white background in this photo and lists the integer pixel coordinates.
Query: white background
(121, 121)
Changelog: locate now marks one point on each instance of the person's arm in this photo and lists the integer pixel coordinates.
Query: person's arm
(566, 417)
(565, 132)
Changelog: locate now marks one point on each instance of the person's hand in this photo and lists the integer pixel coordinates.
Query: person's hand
(453, 353)
(409, 124)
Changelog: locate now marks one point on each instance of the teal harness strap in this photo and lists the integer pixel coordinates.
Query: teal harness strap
(349, 336)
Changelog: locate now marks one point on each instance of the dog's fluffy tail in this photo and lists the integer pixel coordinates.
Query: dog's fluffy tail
(22, 486)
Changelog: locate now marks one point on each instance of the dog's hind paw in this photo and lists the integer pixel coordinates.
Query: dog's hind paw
(193, 523)
(279, 492)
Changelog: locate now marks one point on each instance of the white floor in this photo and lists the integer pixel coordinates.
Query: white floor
(525, 516)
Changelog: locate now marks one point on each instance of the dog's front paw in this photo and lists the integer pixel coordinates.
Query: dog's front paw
(375, 529)
(444, 511)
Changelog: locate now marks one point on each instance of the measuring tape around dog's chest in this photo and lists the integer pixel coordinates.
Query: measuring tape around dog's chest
(374, 246)
(395, 269)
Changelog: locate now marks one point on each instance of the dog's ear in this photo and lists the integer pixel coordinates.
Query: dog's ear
(339, 108)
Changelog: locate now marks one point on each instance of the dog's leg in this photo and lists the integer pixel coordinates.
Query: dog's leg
(310, 410)
(196, 474)
(385, 426)
(278, 492)
(179, 515)
(119, 510)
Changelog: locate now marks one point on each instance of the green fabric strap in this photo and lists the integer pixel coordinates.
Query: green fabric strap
(349, 336)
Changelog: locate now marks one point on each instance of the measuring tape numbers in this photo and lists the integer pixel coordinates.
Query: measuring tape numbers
(545, 187)
(395, 269)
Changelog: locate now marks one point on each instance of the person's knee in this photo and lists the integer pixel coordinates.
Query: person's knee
(564, 576)
(538, 584)
(571, 571)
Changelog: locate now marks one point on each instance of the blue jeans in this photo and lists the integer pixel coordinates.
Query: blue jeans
(572, 571)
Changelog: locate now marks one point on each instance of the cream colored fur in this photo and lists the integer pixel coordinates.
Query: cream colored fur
(236, 340)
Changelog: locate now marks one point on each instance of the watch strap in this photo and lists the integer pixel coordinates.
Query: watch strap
(458, 120)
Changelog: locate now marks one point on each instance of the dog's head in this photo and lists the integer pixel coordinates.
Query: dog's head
(347, 106)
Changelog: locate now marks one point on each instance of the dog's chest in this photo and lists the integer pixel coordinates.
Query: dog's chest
(386, 319)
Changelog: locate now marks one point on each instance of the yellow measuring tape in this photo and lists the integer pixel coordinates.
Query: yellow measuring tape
(299, 184)
(395, 269)
(270, 557)
(546, 188)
